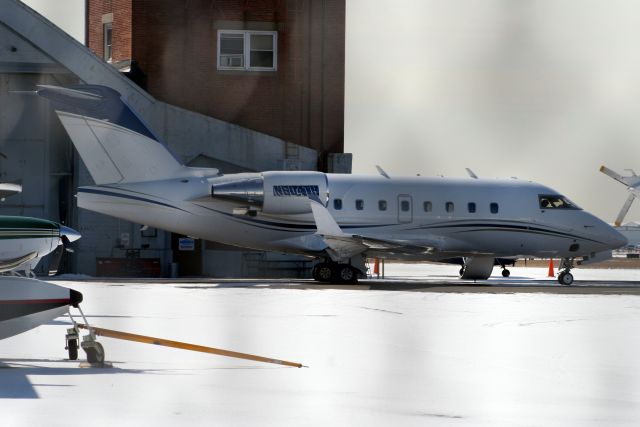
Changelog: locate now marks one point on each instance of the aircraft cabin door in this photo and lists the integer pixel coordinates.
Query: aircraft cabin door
(405, 208)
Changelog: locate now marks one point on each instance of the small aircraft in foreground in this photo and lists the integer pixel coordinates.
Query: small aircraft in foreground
(338, 219)
(26, 303)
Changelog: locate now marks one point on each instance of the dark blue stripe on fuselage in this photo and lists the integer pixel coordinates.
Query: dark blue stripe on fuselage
(126, 196)
(505, 227)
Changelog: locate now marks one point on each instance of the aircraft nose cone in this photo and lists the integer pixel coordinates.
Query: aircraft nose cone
(71, 234)
(75, 297)
(618, 240)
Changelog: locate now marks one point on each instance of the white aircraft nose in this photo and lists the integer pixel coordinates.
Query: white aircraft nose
(71, 234)
(617, 240)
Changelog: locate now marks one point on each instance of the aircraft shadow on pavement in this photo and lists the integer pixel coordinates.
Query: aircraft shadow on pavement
(15, 373)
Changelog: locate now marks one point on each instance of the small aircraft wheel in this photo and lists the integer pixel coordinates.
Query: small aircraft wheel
(461, 272)
(346, 274)
(72, 348)
(565, 278)
(95, 353)
(322, 273)
(506, 273)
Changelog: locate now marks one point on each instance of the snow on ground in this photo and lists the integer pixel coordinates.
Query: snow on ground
(376, 358)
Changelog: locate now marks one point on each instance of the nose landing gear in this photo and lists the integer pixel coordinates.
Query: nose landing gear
(93, 349)
(565, 277)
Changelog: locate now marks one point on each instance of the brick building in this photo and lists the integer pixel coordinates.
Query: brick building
(275, 66)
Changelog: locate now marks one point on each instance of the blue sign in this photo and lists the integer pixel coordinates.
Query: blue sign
(186, 244)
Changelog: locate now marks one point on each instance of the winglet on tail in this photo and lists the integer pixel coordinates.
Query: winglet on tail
(114, 143)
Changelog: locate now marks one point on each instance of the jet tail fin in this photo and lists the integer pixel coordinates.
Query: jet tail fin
(114, 143)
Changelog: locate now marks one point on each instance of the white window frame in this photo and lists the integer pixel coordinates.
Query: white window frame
(107, 47)
(247, 50)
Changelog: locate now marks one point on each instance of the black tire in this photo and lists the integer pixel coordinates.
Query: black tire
(461, 272)
(565, 279)
(560, 276)
(95, 354)
(506, 273)
(323, 272)
(344, 273)
(72, 348)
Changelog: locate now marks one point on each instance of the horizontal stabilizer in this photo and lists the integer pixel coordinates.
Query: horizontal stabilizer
(9, 189)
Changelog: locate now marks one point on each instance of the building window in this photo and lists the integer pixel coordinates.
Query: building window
(427, 206)
(382, 205)
(337, 204)
(359, 204)
(449, 207)
(494, 208)
(247, 50)
(107, 34)
(472, 207)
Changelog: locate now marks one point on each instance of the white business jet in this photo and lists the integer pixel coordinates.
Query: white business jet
(339, 219)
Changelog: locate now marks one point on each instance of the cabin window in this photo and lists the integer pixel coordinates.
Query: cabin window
(427, 206)
(548, 201)
(359, 204)
(494, 208)
(449, 207)
(382, 205)
(405, 206)
(472, 207)
(337, 204)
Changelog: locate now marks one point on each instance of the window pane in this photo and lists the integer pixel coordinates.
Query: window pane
(555, 202)
(382, 205)
(494, 208)
(405, 206)
(337, 204)
(261, 42)
(427, 206)
(108, 36)
(232, 50)
(472, 207)
(231, 44)
(449, 207)
(359, 204)
(261, 58)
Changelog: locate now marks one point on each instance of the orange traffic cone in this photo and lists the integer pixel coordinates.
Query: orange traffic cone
(376, 267)
(551, 273)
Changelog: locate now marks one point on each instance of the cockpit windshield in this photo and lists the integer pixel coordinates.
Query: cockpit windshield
(555, 201)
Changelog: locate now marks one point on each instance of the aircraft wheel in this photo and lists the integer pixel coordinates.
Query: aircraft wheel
(322, 272)
(346, 274)
(95, 353)
(565, 278)
(72, 347)
(506, 273)
(461, 272)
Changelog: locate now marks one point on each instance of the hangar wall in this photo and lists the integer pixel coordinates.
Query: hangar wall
(34, 51)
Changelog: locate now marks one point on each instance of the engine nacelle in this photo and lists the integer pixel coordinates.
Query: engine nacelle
(276, 192)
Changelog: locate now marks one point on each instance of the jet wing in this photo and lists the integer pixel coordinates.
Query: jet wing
(341, 245)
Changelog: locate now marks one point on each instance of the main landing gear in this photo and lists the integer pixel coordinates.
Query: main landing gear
(565, 277)
(334, 272)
